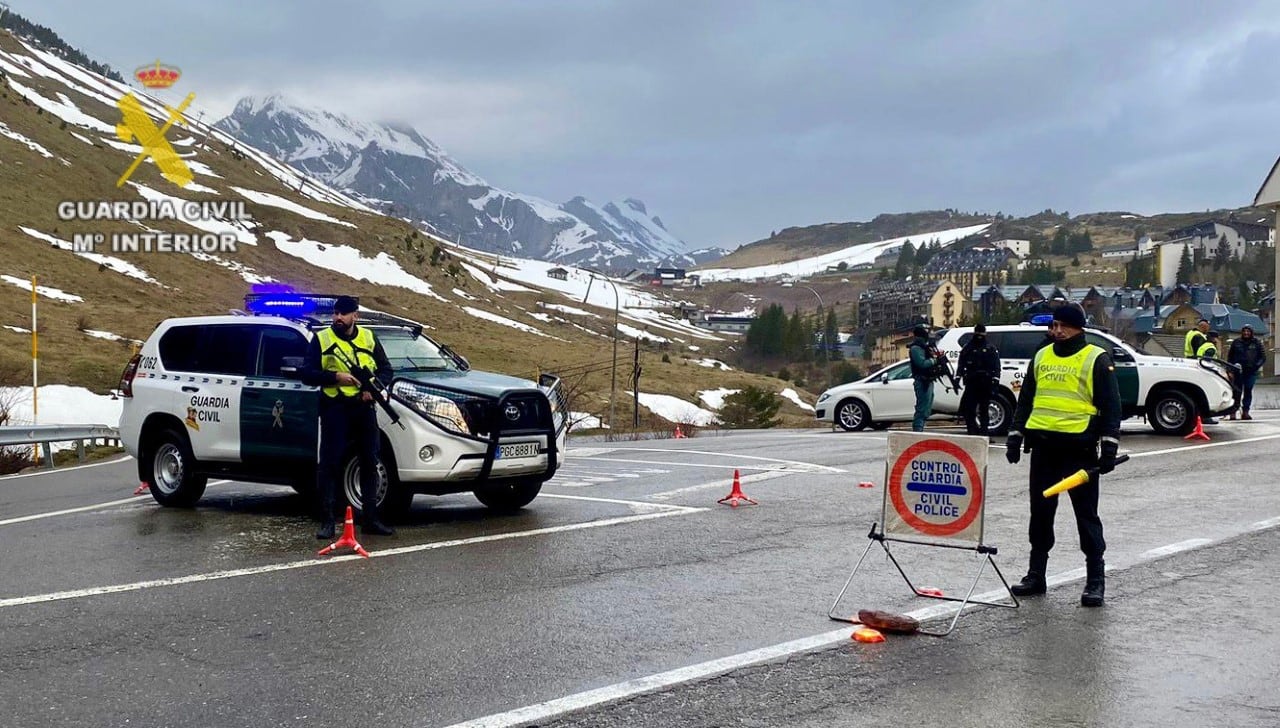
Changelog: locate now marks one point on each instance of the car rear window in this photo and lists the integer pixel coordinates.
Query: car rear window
(210, 349)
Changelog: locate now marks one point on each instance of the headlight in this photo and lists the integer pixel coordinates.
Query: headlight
(440, 410)
(824, 397)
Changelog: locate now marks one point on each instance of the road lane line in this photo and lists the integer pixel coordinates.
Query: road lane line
(713, 668)
(782, 469)
(753, 478)
(668, 451)
(1185, 448)
(63, 470)
(1174, 548)
(82, 509)
(317, 561)
(642, 504)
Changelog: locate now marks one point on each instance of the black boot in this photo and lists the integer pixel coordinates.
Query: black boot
(1033, 583)
(376, 527)
(1094, 586)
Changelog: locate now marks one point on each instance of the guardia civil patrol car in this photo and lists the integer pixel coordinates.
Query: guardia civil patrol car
(220, 396)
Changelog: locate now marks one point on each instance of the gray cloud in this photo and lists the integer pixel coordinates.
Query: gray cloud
(732, 119)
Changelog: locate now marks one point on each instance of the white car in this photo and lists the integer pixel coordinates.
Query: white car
(220, 396)
(888, 396)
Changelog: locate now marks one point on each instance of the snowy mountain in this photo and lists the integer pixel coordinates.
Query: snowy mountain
(402, 172)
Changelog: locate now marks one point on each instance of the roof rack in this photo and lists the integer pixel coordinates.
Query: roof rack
(311, 308)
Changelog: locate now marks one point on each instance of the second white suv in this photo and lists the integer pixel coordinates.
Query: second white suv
(220, 396)
(1169, 392)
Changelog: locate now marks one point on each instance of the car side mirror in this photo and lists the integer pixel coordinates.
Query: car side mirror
(884, 378)
(291, 366)
(1119, 353)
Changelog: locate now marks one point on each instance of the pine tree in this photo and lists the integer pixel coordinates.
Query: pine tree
(1222, 255)
(1186, 268)
(831, 336)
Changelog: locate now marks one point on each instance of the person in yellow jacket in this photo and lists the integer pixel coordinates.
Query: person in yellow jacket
(347, 413)
(1195, 338)
(1068, 416)
(1208, 350)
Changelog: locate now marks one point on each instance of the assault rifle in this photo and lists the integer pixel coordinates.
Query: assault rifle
(368, 383)
(942, 367)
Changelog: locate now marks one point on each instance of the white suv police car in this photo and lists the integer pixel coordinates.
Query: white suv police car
(220, 396)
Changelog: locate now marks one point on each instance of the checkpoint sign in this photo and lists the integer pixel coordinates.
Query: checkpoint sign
(934, 486)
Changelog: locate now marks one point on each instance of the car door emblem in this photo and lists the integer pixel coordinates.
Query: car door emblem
(512, 412)
(277, 413)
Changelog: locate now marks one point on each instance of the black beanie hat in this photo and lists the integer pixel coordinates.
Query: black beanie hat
(1071, 315)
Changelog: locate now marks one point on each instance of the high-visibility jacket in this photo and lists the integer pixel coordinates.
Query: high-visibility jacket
(359, 350)
(1189, 345)
(1208, 350)
(1064, 390)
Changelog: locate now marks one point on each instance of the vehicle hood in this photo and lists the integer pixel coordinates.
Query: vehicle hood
(485, 383)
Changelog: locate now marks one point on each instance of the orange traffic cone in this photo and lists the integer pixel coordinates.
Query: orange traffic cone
(143, 487)
(736, 495)
(680, 434)
(867, 634)
(1198, 432)
(348, 539)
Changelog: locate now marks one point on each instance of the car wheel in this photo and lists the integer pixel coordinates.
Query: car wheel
(506, 496)
(350, 478)
(173, 479)
(1171, 413)
(999, 415)
(852, 415)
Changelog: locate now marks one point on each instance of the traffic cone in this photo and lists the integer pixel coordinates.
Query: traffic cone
(348, 539)
(680, 434)
(866, 484)
(142, 488)
(867, 635)
(736, 495)
(1198, 432)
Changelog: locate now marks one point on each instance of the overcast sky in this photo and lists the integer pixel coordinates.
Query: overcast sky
(733, 119)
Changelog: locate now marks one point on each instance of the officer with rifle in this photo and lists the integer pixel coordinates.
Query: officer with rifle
(339, 361)
(927, 364)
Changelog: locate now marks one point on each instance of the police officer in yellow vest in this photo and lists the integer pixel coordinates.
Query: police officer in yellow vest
(1069, 402)
(1195, 338)
(347, 414)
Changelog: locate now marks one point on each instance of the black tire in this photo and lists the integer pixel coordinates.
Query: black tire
(172, 470)
(852, 416)
(506, 496)
(1171, 412)
(1000, 418)
(881, 425)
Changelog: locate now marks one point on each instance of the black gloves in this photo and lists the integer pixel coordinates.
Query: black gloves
(1107, 458)
(1013, 448)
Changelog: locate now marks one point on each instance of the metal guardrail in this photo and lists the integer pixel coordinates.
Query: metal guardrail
(46, 435)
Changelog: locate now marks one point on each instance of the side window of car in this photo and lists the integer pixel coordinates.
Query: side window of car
(902, 372)
(1020, 344)
(964, 339)
(179, 348)
(1107, 346)
(228, 349)
(278, 343)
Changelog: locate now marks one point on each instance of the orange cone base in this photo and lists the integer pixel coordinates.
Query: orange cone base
(868, 635)
(347, 540)
(736, 495)
(143, 487)
(928, 591)
(866, 484)
(1198, 432)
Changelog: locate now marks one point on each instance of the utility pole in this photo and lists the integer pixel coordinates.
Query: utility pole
(613, 372)
(635, 387)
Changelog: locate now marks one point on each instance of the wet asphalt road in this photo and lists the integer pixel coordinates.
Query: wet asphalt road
(125, 613)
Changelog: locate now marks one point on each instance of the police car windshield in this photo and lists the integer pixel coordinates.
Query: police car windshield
(408, 353)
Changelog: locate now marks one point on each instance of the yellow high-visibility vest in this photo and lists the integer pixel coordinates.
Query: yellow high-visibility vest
(358, 350)
(1187, 349)
(1208, 349)
(1064, 390)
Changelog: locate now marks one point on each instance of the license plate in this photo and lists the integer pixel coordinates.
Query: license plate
(518, 450)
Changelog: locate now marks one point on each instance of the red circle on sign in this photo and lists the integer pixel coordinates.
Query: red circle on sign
(919, 524)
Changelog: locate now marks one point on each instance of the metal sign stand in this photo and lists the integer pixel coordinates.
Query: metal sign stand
(984, 553)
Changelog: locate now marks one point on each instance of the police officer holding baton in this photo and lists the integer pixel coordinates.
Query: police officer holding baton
(346, 411)
(1068, 417)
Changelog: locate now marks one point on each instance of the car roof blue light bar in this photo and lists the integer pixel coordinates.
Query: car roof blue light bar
(1042, 319)
(289, 304)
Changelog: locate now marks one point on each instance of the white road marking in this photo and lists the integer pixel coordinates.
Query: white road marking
(1184, 448)
(319, 561)
(712, 668)
(1264, 525)
(63, 470)
(82, 509)
(669, 451)
(753, 478)
(641, 504)
(1174, 548)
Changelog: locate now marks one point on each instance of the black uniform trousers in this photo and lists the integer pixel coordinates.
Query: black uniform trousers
(347, 421)
(975, 405)
(1052, 459)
